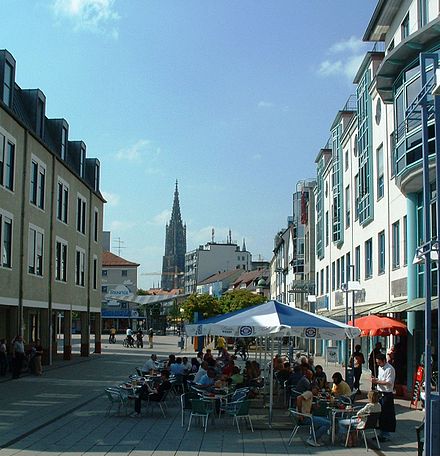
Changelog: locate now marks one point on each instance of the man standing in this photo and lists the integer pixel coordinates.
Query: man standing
(150, 337)
(356, 361)
(372, 363)
(17, 356)
(385, 385)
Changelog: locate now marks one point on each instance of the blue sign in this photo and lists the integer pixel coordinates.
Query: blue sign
(115, 313)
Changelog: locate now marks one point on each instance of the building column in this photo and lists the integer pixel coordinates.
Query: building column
(98, 331)
(45, 337)
(411, 284)
(67, 353)
(14, 325)
(85, 334)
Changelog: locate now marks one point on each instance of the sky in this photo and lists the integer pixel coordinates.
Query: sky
(232, 98)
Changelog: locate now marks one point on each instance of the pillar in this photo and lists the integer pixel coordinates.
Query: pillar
(85, 334)
(14, 324)
(67, 352)
(45, 337)
(411, 284)
(98, 331)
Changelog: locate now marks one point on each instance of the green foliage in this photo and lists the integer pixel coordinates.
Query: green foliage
(206, 305)
(239, 299)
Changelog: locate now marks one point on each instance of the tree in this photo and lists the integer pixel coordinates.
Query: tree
(206, 305)
(239, 299)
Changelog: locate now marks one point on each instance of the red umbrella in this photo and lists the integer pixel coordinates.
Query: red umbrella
(372, 325)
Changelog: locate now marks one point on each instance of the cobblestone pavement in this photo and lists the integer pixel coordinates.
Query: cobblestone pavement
(63, 412)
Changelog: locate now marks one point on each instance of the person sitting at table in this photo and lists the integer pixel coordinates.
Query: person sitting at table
(237, 379)
(171, 360)
(304, 404)
(305, 382)
(360, 420)
(199, 357)
(294, 376)
(209, 358)
(147, 393)
(186, 365)
(284, 373)
(207, 380)
(201, 372)
(151, 364)
(229, 368)
(320, 378)
(194, 366)
(177, 368)
(340, 388)
(277, 363)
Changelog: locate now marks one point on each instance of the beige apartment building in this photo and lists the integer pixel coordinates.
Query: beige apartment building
(51, 212)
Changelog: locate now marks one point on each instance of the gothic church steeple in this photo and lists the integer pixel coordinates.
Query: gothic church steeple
(173, 265)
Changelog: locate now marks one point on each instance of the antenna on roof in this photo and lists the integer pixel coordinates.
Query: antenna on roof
(213, 235)
(230, 237)
(119, 245)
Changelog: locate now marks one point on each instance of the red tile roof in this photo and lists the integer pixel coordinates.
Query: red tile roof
(109, 259)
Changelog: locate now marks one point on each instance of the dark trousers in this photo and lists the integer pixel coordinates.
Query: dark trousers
(17, 364)
(3, 364)
(387, 420)
(357, 372)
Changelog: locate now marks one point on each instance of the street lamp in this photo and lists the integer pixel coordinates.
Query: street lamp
(350, 286)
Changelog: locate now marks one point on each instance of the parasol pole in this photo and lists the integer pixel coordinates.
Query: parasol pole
(271, 382)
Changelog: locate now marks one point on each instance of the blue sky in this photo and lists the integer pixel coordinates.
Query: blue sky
(234, 98)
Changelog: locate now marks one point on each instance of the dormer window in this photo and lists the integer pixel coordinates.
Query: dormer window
(82, 162)
(63, 143)
(7, 84)
(40, 117)
(96, 177)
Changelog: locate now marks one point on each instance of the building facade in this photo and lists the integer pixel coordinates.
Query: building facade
(173, 265)
(213, 258)
(51, 212)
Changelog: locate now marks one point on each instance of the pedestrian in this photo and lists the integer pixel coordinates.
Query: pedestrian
(385, 386)
(3, 358)
(150, 337)
(17, 356)
(112, 336)
(372, 365)
(221, 344)
(37, 355)
(357, 360)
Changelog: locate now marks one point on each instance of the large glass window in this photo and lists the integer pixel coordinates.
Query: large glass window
(380, 176)
(347, 207)
(395, 253)
(35, 250)
(62, 202)
(357, 265)
(7, 84)
(37, 183)
(381, 252)
(405, 27)
(369, 258)
(6, 239)
(80, 262)
(61, 260)
(63, 151)
(7, 163)
(333, 276)
(81, 214)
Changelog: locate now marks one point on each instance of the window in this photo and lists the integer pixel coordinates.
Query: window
(404, 28)
(7, 162)
(347, 207)
(95, 272)
(38, 183)
(104, 288)
(381, 252)
(7, 84)
(405, 240)
(423, 12)
(380, 178)
(82, 162)
(395, 252)
(6, 239)
(348, 266)
(391, 46)
(327, 279)
(35, 250)
(96, 225)
(104, 273)
(356, 196)
(80, 261)
(61, 260)
(369, 258)
(317, 283)
(124, 273)
(326, 228)
(81, 214)
(63, 149)
(322, 281)
(338, 273)
(62, 201)
(40, 118)
(96, 182)
(357, 265)
(342, 270)
(333, 276)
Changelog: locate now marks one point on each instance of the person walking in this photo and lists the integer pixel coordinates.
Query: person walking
(385, 386)
(372, 364)
(357, 360)
(38, 353)
(150, 337)
(17, 356)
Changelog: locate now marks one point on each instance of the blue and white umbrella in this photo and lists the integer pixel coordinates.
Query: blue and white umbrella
(273, 318)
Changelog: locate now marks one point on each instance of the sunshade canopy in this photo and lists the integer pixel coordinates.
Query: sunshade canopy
(272, 318)
(373, 325)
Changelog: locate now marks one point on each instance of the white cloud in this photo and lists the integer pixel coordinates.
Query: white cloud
(111, 198)
(353, 45)
(265, 104)
(350, 54)
(97, 16)
(121, 225)
(162, 218)
(137, 151)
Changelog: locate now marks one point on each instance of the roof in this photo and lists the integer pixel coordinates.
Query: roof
(109, 259)
(247, 278)
(381, 20)
(219, 276)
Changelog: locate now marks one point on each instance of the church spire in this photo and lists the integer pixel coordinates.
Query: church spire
(175, 214)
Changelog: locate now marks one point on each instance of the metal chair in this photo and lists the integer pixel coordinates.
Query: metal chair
(185, 402)
(371, 423)
(301, 420)
(161, 403)
(115, 397)
(239, 410)
(202, 409)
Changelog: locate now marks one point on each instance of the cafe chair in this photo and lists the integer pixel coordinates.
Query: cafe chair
(301, 420)
(239, 410)
(185, 402)
(371, 424)
(202, 409)
(160, 403)
(115, 396)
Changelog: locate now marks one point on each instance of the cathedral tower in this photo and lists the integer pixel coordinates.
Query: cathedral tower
(173, 265)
